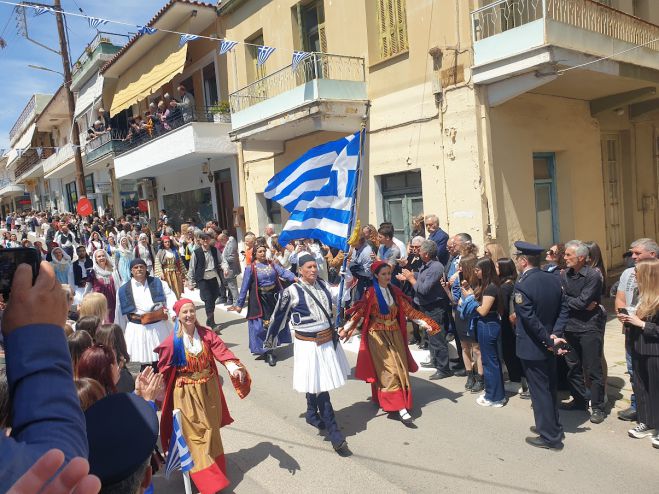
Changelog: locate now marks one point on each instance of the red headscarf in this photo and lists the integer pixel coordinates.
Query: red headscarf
(377, 265)
(180, 303)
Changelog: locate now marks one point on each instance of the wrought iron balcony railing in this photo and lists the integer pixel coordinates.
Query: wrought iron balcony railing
(107, 43)
(29, 159)
(503, 15)
(27, 114)
(317, 66)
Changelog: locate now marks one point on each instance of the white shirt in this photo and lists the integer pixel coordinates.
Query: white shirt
(192, 346)
(401, 247)
(143, 301)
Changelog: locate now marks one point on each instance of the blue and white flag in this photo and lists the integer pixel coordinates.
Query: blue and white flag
(41, 10)
(146, 30)
(185, 38)
(178, 457)
(226, 46)
(94, 22)
(39, 151)
(299, 56)
(263, 54)
(21, 151)
(318, 190)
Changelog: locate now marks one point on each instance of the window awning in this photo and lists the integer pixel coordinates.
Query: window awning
(24, 142)
(89, 94)
(158, 67)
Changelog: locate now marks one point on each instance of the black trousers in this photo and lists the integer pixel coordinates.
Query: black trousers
(586, 357)
(209, 290)
(509, 349)
(541, 378)
(646, 388)
(223, 289)
(437, 343)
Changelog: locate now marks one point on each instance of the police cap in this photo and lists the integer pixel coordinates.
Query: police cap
(528, 249)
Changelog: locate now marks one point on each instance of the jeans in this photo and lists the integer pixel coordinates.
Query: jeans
(437, 343)
(630, 370)
(209, 290)
(489, 333)
(586, 356)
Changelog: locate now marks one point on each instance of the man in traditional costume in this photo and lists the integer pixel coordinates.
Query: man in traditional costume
(143, 307)
(188, 365)
(319, 365)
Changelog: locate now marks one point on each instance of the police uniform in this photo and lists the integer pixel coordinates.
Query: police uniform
(537, 301)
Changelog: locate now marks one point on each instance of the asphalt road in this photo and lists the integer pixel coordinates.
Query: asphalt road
(457, 446)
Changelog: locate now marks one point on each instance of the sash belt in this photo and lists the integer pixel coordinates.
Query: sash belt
(320, 338)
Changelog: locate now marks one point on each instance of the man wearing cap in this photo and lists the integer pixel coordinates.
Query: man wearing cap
(143, 304)
(122, 430)
(539, 326)
(320, 365)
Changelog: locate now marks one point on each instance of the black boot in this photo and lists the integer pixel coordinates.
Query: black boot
(327, 414)
(471, 380)
(479, 384)
(271, 359)
(312, 416)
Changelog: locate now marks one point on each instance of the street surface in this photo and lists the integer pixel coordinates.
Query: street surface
(457, 446)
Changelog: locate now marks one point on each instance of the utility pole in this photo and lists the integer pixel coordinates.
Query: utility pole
(75, 138)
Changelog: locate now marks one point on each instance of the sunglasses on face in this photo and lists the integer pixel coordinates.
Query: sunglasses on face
(551, 252)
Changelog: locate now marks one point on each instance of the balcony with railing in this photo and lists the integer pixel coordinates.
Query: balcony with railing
(324, 92)
(56, 161)
(29, 164)
(517, 31)
(166, 144)
(101, 49)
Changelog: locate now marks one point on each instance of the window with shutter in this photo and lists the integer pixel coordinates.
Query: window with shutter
(392, 24)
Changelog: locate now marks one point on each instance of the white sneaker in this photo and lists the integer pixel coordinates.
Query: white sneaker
(640, 431)
(484, 402)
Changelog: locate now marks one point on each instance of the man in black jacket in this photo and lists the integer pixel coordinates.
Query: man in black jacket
(582, 286)
(204, 273)
(81, 268)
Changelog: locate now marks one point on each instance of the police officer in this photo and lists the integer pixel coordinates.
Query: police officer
(540, 321)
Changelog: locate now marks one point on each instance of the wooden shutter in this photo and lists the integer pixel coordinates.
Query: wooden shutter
(383, 28)
(401, 25)
(392, 27)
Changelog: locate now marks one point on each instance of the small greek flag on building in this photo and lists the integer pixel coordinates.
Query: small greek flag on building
(187, 37)
(95, 22)
(226, 45)
(39, 151)
(263, 54)
(178, 457)
(318, 190)
(146, 30)
(299, 56)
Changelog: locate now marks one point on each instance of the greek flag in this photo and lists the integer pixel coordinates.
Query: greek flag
(146, 30)
(39, 151)
(41, 10)
(298, 56)
(318, 190)
(264, 53)
(187, 37)
(226, 46)
(94, 22)
(178, 457)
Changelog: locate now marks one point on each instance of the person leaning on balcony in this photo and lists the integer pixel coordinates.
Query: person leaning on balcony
(187, 104)
(104, 118)
(162, 115)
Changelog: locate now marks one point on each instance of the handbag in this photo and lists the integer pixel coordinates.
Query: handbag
(335, 335)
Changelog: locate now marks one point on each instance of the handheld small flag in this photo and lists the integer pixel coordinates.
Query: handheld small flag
(178, 457)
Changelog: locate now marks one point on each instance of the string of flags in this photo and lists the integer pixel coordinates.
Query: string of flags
(263, 52)
(40, 149)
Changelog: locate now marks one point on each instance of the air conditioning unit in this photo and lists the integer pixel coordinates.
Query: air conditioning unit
(146, 190)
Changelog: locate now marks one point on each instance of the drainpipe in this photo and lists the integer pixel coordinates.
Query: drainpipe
(487, 163)
(242, 183)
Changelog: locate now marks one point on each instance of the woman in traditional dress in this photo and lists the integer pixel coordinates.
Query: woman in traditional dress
(144, 250)
(384, 359)
(187, 361)
(169, 266)
(261, 280)
(103, 279)
(111, 246)
(122, 259)
(63, 266)
(95, 243)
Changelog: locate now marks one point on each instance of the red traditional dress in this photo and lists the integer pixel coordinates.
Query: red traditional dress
(384, 358)
(193, 386)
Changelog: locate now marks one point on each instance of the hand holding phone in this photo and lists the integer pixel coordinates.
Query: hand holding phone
(10, 259)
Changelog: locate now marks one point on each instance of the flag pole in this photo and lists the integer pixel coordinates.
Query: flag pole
(186, 475)
(355, 214)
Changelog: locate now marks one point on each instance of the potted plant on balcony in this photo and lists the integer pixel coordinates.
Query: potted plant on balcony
(220, 112)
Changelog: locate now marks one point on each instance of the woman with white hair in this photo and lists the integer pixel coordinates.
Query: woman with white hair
(143, 250)
(103, 279)
(63, 266)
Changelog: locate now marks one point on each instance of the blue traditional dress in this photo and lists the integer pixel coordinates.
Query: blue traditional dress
(262, 283)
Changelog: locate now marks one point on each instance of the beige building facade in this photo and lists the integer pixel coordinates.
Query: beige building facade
(498, 116)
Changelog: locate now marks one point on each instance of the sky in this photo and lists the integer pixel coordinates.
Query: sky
(19, 82)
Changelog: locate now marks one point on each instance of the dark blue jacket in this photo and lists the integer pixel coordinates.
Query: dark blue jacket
(440, 237)
(540, 313)
(46, 411)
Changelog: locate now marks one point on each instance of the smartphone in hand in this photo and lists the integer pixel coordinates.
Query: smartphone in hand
(9, 261)
(624, 311)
